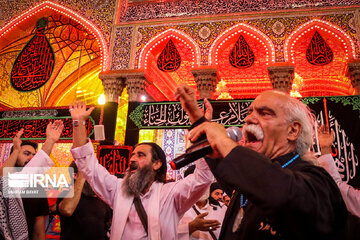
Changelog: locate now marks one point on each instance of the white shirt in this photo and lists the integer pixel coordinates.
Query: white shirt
(215, 213)
(350, 195)
(163, 203)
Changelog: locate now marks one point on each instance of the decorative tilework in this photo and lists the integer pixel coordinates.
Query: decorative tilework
(283, 26)
(122, 48)
(185, 8)
(174, 145)
(100, 12)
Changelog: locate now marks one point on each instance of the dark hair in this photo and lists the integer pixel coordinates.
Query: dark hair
(24, 143)
(214, 186)
(157, 154)
(73, 165)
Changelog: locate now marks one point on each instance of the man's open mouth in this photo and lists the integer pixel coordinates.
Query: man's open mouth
(133, 167)
(253, 133)
(251, 137)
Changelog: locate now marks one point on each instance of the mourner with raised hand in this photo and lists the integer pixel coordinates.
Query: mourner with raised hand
(278, 195)
(350, 195)
(143, 206)
(23, 154)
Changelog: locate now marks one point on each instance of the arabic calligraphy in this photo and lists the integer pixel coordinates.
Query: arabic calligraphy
(36, 128)
(30, 113)
(165, 115)
(35, 63)
(233, 114)
(344, 151)
(319, 53)
(169, 59)
(172, 115)
(115, 158)
(241, 55)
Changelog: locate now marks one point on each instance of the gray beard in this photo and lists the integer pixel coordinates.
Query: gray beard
(136, 183)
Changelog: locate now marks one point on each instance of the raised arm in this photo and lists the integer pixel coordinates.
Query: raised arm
(350, 195)
(10, 162)
(53, 133)
(187, 97)
(68, 205)
(102, 182)
(79, 115)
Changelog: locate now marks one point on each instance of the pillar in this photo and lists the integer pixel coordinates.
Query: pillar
(113, 86)
(354, 74)
(282, 76)
(206, 79)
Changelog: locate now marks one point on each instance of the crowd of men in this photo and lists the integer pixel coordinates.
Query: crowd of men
(268, 187)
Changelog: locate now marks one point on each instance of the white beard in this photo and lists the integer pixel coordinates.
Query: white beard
(254, 130)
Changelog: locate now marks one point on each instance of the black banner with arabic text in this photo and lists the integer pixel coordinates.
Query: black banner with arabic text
(342, 113)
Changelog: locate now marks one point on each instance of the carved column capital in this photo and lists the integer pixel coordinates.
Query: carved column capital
(282, 76)
(113, 84)
(354, 74)
(135, 84)
(206, 79)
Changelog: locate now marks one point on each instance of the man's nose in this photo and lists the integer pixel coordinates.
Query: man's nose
(250, 118)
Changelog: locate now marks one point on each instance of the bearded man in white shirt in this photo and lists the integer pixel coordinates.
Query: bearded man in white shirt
(164, 204)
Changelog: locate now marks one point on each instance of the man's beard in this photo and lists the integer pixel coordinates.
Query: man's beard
(136, 183)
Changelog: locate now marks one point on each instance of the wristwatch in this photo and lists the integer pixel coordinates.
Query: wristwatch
(76, 123)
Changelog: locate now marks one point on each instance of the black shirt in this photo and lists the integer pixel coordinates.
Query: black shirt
(89, 220)
(34, 207)
(300, 201)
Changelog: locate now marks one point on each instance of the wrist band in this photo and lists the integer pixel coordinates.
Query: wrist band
(198, 122)
(76, 123)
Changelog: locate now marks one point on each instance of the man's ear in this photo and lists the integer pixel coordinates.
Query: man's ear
(157, 165)
(294, 131)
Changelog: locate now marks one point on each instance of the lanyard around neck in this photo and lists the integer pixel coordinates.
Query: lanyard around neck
(244, 203)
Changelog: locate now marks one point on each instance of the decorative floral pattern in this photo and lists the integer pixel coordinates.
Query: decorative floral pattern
(100, 12)
(184, 8)
(277, 29)
(122, 48)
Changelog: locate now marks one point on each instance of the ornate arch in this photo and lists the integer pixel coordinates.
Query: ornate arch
(69, 13)
(322, 26)
(235, 31)
(169, 34)
(327, 78)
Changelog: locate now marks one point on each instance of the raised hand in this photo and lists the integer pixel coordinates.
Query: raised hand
(54, 130)
(208, 109)
(17, 141)
(187, 97)
(53, 133)
(78, 111)
(325, 138)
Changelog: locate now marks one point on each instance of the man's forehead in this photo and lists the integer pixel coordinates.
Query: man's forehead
(143, 148)
(28, 148)
(268, 99)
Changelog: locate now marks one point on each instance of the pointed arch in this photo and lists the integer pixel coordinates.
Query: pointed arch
(69, 13)
(169, 34)
(327, 79)
(234, 32)
(322, 26)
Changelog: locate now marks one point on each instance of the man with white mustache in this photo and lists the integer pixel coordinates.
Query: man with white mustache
(143, 206)
(278, 195)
